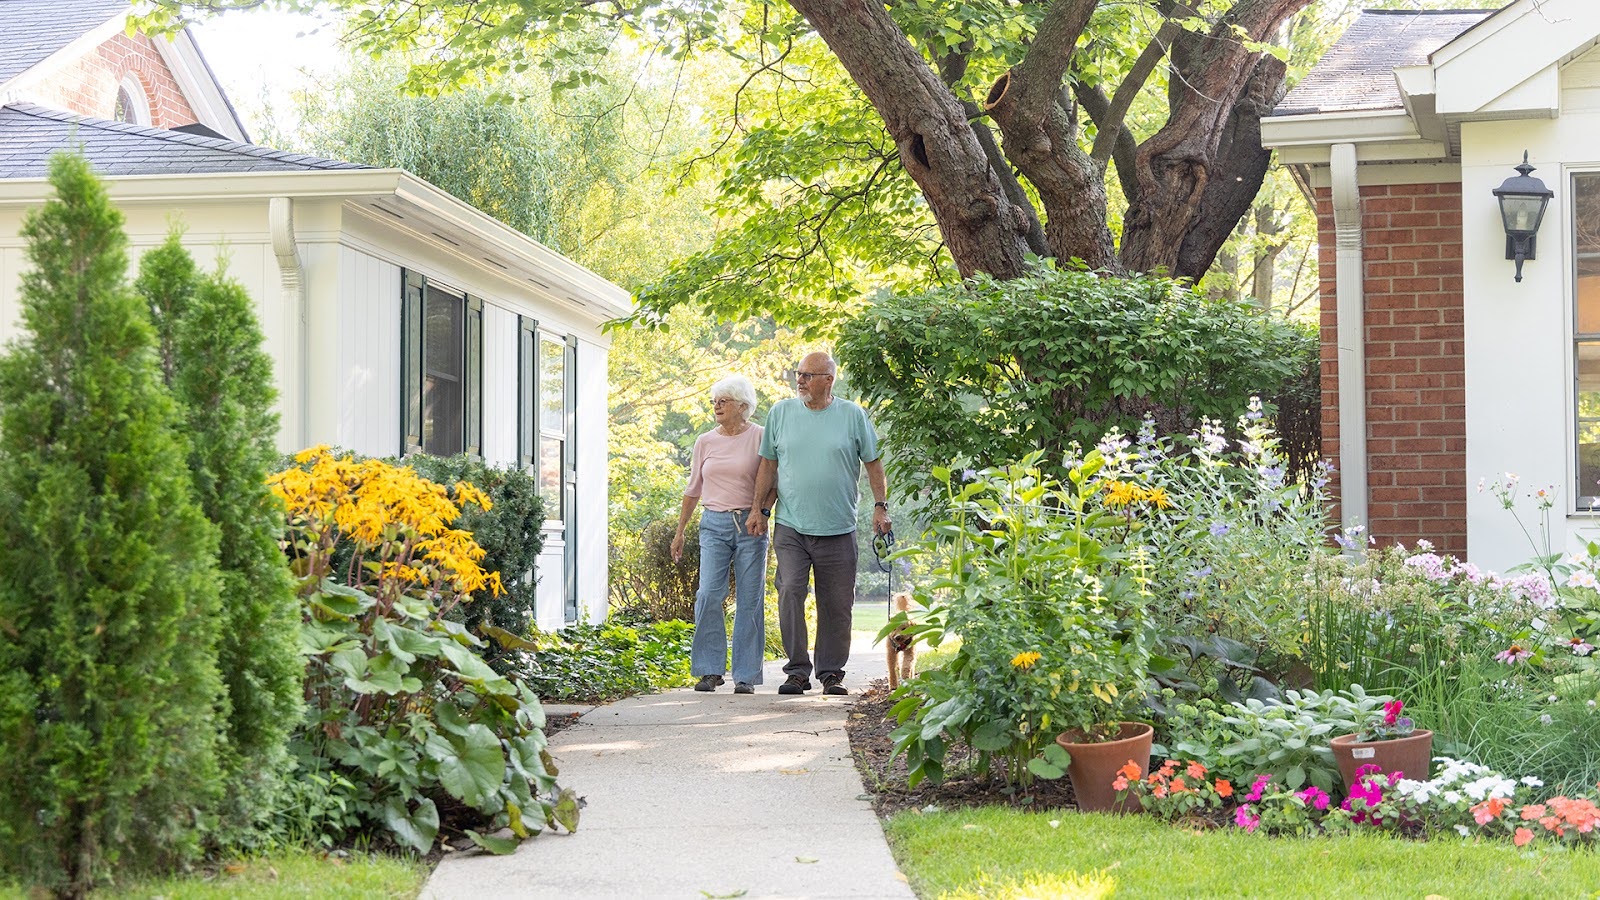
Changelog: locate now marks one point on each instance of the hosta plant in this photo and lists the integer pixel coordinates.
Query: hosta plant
(399, 703)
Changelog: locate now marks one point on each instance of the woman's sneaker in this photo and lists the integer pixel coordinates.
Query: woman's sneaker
(797, 684)
(708, 683)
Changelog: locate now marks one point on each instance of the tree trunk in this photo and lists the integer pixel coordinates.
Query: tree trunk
(983, 230)
(1192, 192)
(1268, 247)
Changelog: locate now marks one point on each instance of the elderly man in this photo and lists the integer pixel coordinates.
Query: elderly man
(813, 450)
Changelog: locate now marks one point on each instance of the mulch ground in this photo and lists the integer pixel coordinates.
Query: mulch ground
(869, 726)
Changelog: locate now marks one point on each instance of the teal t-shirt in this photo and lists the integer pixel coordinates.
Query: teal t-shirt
(819, 454)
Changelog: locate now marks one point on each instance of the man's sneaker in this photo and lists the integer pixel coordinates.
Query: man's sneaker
(833, 684)
(797, 684)
(708, 682)
(744, 687)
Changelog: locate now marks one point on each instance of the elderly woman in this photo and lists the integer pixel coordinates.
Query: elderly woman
(722, 478)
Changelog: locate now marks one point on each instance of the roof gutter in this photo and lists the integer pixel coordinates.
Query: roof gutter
(1350, 306)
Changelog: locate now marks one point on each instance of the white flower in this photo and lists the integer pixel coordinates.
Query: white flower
(1554, 698)
(1545, 719)
(1533, 782)
(1464, 831)
(1591, 704)
(1452, 797)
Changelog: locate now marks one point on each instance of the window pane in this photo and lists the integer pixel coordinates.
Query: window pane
(552, 386)
(550, 477)
(442, 398)
(525, 400)
(1586, 236)
(1588, 430)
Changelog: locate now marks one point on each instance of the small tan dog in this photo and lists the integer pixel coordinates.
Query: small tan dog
(902, 648)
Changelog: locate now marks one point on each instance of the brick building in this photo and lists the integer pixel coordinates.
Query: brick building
(399, 318)
(1439, 369)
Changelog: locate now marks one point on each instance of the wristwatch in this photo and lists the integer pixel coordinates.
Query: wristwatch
(766, 512)
(882, 504)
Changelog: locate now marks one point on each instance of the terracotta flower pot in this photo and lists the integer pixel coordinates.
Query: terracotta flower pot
(1094, 765)
(1411, 756)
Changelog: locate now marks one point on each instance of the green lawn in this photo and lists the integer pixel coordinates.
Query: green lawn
(283, 875)
(1003, 853)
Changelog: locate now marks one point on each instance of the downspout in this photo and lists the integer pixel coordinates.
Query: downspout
(291, 280)
(1350, 306)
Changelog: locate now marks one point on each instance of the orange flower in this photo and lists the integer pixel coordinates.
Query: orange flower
(1550, 823)
(1488, 809)
(1160, 791)
(1532, 811)
(1224, 788)
(1523, 836)
(1178, 787)
(1168, 767)
(1131, 770)
(1196, 770)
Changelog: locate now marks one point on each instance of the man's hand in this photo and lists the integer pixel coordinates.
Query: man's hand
(880, 521)
(677, 547)
(755, 523)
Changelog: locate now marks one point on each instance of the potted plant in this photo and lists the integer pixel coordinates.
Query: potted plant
(1388, 740)
(1035, 578)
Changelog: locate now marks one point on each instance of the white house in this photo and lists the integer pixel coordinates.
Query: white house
(398, 317)
(1439, 368)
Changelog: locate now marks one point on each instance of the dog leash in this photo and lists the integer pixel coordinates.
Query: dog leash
(882, 546)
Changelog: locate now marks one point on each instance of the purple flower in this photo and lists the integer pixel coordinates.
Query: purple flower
(1218, 529)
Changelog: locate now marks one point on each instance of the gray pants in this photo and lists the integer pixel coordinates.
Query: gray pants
(833, 560)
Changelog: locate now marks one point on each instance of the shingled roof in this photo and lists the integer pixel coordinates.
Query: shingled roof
(1357, 73)
(31, 30)
(29, 134)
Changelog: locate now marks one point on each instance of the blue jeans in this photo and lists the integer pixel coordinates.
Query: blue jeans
(724, 542)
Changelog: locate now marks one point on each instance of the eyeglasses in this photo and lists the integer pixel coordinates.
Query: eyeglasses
(721, 400)
(807, 376)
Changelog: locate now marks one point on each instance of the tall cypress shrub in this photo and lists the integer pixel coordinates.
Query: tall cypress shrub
(211, 354)
(109, 691)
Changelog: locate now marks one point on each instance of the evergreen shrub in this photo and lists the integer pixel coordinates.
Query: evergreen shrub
(110, 700)
(212, 358)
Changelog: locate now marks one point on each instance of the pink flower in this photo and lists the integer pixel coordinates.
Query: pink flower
(1257, 788)
(1314, 797)
(1523, 836)
(1513, 654)
(1391, 711)
(1244, 819)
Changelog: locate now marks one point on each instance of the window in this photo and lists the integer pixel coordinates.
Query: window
(131, 105)
(441, 369)
(552, 422)
(1586, 333)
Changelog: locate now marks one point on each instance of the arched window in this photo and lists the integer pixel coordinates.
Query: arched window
(132, 106)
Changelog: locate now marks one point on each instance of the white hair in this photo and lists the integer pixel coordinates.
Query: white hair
(738, 388)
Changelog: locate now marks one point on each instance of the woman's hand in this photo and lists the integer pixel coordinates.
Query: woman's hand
(677, 546)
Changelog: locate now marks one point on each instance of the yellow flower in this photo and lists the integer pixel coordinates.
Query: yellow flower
(1158, 496)
(1120, 493)
(1025, 660)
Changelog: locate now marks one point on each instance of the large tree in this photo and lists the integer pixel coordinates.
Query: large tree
(1006, 115)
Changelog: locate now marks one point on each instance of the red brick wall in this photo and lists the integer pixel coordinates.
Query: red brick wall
(89, 85)
(1416, 396)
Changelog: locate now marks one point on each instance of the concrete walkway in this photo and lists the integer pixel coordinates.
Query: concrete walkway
(695, 795)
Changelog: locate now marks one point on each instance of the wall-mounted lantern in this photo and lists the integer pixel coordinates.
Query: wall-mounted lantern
(1523, 199)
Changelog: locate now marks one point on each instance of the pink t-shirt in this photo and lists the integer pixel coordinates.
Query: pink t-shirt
(722, 472)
